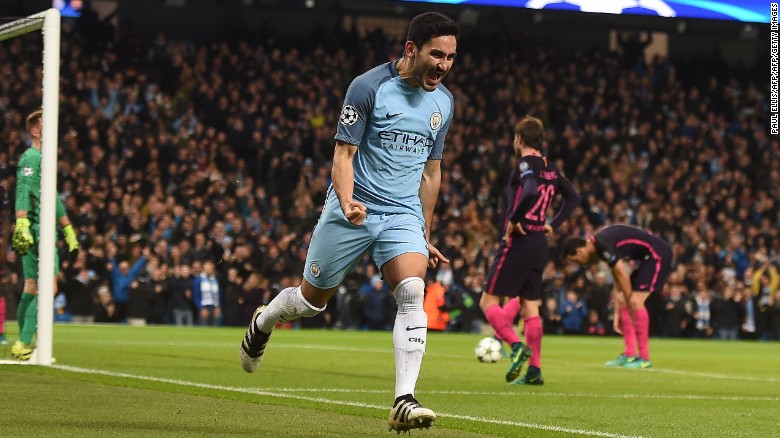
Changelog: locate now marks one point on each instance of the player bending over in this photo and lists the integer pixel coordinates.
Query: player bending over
(615, 244)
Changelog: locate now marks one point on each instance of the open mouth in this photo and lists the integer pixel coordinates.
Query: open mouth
(435, 76)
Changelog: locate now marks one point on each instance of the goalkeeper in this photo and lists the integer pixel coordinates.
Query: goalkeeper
(25, 237)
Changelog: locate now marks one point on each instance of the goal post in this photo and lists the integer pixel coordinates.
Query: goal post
(49, 22)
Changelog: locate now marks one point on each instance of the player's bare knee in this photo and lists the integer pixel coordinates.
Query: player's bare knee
(409, 294)
(487, 300)
(531, 308)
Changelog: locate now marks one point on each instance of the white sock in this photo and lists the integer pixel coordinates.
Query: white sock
(288, 305)
(409, 334)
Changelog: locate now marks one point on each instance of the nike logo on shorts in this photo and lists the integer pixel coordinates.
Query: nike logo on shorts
(408, 329)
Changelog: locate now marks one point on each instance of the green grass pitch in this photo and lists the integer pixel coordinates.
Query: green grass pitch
(176, 382)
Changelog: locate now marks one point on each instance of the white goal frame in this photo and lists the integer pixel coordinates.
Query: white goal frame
(49, 22)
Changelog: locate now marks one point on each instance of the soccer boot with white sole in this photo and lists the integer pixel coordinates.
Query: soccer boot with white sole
(520, 354)
(253, 346)
(408, 414)
(21, 351)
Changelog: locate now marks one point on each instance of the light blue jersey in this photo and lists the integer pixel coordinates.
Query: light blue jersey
(397, 128)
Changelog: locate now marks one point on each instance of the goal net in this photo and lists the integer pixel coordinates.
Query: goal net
(49, 23)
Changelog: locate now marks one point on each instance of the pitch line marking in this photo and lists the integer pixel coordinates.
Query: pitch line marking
(454, 356)
(336, 402)
(538, 394)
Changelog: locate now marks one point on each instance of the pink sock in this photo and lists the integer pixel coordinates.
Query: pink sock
(642, 328)
(2, 315)
(533, 338)
(511, 308)
(497, 319)
(629, 335)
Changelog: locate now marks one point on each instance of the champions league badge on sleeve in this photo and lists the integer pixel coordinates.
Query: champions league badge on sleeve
(349, 115)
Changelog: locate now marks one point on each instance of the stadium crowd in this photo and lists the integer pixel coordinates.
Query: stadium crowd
(195, 173)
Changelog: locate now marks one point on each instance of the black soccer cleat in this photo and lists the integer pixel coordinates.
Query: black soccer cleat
(253, 346)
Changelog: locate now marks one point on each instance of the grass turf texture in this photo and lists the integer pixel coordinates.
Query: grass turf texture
(155, 381)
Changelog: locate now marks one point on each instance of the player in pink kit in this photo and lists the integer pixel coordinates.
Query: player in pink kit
(653, 256)
(518, 265)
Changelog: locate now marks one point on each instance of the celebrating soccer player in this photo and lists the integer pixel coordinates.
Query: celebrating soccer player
(386, 176)
(653, 256)
(28, 208)
(522, 254)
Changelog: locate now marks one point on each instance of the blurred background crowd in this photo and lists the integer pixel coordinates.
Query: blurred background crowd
(195, 172)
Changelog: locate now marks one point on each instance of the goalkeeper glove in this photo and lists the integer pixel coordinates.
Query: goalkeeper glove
(70, 238)
(22, 239)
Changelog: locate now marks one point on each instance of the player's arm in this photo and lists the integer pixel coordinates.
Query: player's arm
(22, 238)
(429, 193)
(25, 185)
(571, 200)
(523, 205)
(67, 228)
(617, 305)
(622, 281)
(358, 105)
(343, 176)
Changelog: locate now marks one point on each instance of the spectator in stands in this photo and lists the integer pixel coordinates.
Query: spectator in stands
(727, 314)
(181, 295)
(675, 312)
(573, 313)
(230, 294)
(375, 297)
(594, 326)
(159, 299)
(206, 295)
(139, 295)
(122, 276)
(80, 287)
(702, 310)
(256, 292)
(435, 300)
(551, 317)
(105, 309)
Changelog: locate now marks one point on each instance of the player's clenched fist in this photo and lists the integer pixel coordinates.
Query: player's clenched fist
(22, 239)
(354, 211)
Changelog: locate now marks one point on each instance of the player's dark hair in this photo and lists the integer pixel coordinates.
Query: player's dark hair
(431, 25)
(531, 130)
(34, 119)
(570, 245)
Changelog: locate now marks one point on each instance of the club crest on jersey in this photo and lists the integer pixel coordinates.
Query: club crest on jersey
(523, 166)
(435, 120)
(348, 116)
(315, 270)
(27, 171)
